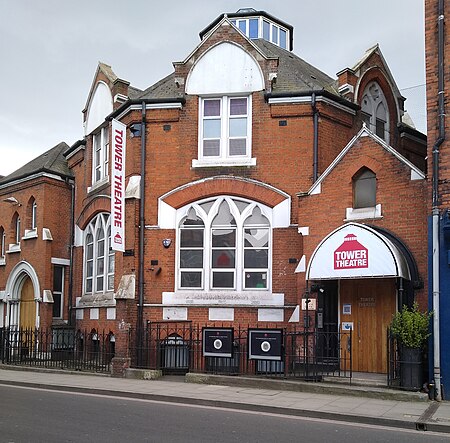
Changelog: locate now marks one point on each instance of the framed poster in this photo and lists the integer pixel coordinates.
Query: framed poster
(265, 344)
(347, 309)
(218, 342)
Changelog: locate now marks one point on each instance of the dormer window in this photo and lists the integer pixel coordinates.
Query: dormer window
(374, 111)
(258, 27)
(100, 155)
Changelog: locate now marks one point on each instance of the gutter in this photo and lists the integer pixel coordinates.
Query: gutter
(143, 102)
(317, 92)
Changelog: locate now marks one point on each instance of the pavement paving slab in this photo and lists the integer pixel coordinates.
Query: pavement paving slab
(422, 415)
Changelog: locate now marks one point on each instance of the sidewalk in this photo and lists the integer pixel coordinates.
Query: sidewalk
(421, 415)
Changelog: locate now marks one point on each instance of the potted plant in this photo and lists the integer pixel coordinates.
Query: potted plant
(410, 327)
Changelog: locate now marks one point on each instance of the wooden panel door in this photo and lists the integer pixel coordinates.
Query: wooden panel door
(373, 302)
(27, 305)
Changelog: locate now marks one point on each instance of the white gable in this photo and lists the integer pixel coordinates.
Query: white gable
(100, 106)
(225, 69)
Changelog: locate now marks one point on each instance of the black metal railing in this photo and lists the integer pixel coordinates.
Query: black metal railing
(63, 348)
(178, 348)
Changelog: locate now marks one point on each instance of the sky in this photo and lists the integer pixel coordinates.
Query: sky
(49, 51)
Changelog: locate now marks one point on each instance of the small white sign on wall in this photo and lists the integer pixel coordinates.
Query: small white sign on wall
(347, 309)
(312, 305)
(347, 325)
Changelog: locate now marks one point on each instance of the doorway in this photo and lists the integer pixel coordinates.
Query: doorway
(27, 315)
(367, 305)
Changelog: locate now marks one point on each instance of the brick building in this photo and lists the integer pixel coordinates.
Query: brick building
(249, 181)
(437, 47)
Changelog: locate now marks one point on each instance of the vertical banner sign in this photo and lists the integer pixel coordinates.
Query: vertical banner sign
(118, 186)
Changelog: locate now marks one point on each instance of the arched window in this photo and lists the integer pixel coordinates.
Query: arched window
(224, 244)
(16, 228)
(2, 243)
(364, 189)
(374, 110)
(31, 221)
(98, 256)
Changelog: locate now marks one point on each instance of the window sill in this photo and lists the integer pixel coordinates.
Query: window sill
(98, 185)
(13, 247)
(214, 163)
(2, 261)
(30, 233)
(363, 213)
(97, 300)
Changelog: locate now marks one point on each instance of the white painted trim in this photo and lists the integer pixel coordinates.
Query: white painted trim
(60, 261)
(13, 247)
(46, 234)
(98, 184)
(31, 177)
(308, 99)
(30, 233)
(315, 188)
(371, 213)
(416, 176)
(304, 230)
(223, 162)
(149, 106)
(80, 148)
(301, 267)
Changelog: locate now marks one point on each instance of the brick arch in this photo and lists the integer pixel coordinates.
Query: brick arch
(234, 186)
(377, 75)
(363, 162)
(98, 204)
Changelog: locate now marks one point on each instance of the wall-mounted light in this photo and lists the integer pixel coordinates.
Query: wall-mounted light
(167, 242)
(12, 200)
(135, 130)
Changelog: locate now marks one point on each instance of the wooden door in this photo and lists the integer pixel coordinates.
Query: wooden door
(372, 303)
(27, 305)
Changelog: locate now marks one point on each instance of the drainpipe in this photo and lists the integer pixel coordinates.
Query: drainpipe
(316, 137)
(141, 234)
(435, 205)
(72, 241)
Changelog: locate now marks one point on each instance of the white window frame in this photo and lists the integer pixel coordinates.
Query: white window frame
(273, 27)
(224, 158)
(370, 110)
(17, 233)
(100, 164)
(100, 221)
(61, 292)
(240, 218)
(34, 215)
(2, 246)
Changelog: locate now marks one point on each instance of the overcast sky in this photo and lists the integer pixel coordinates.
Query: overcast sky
(49, 50)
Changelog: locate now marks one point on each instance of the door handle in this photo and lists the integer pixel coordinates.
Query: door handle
(359, 330)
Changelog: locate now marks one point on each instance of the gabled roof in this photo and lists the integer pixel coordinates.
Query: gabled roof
(52, 162)
(376, 50)
(365, 132)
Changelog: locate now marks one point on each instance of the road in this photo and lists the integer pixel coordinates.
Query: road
(39, 415)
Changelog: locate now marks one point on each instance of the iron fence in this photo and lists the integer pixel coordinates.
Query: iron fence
(62, 348)
(177, 348)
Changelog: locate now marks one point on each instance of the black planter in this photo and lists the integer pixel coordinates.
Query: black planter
(411, 368)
